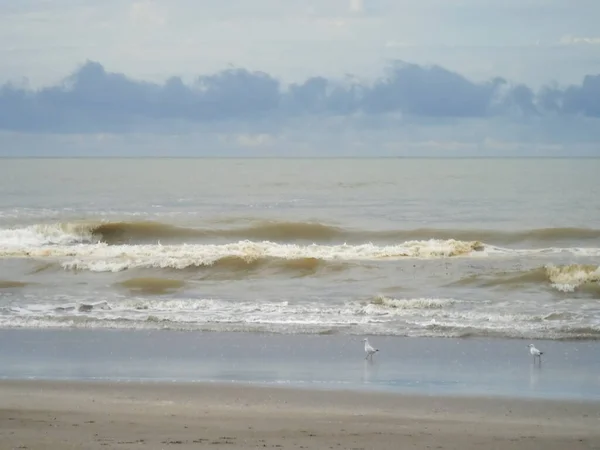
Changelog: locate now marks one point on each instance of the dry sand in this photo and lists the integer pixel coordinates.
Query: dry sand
(82, 415)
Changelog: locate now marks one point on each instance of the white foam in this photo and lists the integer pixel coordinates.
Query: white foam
(384, 303)
(410, 316)
(33, 236)
(113, 258)
(568, 278)
(75, 239)
(216, 310)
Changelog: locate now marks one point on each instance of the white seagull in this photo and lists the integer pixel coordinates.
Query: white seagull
(369, 349)
(535, 352)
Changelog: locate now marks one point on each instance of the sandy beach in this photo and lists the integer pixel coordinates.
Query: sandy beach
(92, 415)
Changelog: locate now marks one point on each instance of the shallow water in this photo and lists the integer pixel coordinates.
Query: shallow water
(491, 367)
(495, 248)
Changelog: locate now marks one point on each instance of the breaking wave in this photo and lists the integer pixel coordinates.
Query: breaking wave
(434, 317)
(568, 278)
(382, 301)
(562, 278)
(145, 232)
(115, 258)
(188, 257)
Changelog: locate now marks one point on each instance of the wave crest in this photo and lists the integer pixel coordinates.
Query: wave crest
(381, 301)
(563, 278)
(568, 278)
(146, 232)
(105, 258)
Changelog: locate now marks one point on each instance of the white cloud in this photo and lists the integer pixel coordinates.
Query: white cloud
(574, 40)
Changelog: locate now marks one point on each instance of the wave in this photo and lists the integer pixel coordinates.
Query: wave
(569, 278)
(140, 232)
(237, 267)
(49, 234)
(8, 284)
(115, 258)
(435, 317)
(563, 278)
(381, 301)
(584, 333)
(152, 285)
(144, 232)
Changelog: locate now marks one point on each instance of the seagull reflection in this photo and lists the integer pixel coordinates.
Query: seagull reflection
(370, 369)
(534, 375)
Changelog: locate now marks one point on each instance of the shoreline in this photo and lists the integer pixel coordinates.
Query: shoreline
(58, 415)
(499, 368)
(298, 388)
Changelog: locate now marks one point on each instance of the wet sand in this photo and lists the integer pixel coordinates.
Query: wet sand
(65, 415)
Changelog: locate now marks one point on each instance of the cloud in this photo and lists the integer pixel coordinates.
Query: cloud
(431, 92)
(93, 100)
(583, 99)
(574, 40)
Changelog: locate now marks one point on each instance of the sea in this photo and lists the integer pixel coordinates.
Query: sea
(493, 248)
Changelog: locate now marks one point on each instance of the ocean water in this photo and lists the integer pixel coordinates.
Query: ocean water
(401, 247)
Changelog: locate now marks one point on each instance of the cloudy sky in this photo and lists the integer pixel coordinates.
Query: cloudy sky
(300, 77)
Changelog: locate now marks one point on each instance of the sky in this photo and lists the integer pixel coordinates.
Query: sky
(300, 78)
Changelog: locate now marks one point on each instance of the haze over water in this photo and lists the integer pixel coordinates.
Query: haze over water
(409, 247)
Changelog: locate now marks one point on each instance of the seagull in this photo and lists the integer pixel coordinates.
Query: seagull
(369, 349)
(535, 352)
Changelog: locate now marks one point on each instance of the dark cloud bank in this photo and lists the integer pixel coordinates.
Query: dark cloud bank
(93, 100)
